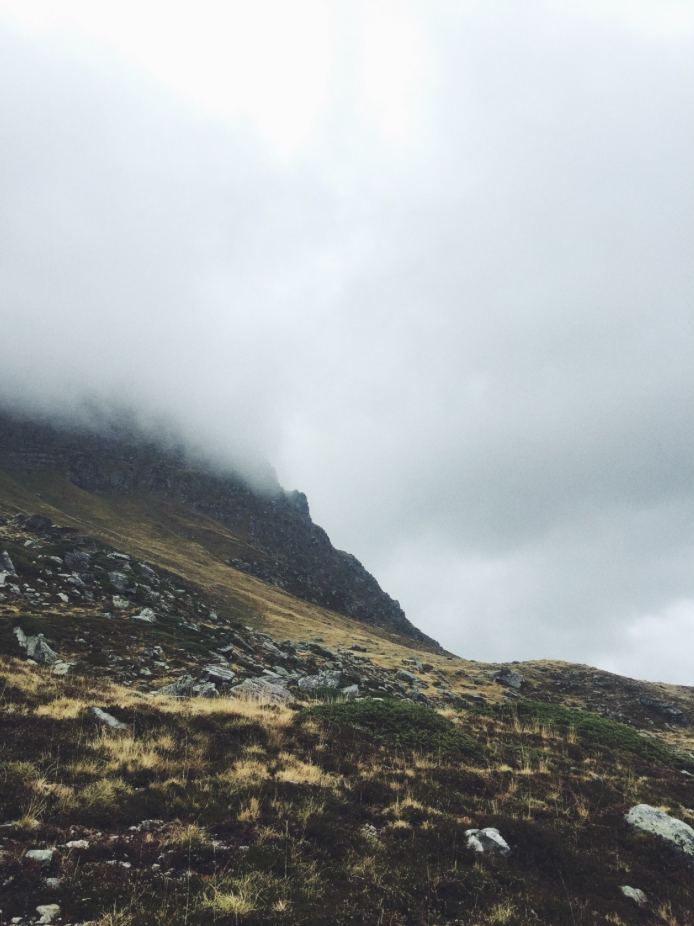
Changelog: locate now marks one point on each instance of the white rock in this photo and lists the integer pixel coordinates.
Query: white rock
(677, 833)
(121, 603)
(351, 691)
(63, 597)
(77, 844)
(634, 893)
(147, 615)
(48, 912)
(62, 668)
(488, 839)
(107, 719)
(43, 856)
(21, 637)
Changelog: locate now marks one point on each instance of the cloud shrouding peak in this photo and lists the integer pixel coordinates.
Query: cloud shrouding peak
(463, 328)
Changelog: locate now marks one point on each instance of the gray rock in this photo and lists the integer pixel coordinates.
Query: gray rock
(62, 668)
(42, 856)
(510, 678)
(122, 582)
(350, 692)
(181, 688)
(488, 839)
(77, 844)
(7, 564)
(146, 615)
(635, 894)
(118, 602)
(330, 679)
(107, 719)
(676, 833)
(53, 884)
(258, 689)
(220, 676)
(404, 676)
(205, 690)
(38, 649)
(319, 650)
(76, 561)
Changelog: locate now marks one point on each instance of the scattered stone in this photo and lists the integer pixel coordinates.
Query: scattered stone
(62, 668)
(120, 603)
(220, 676)
(181, 688)
(63, 597)
(488, 839)
(350, 692)
(678, 834)
(122, 583)
(42, 856)
(635, 894)
(258, 689)
(53, 884)
(48, 912)
(107, 719)
(77, 844)
(146, 615)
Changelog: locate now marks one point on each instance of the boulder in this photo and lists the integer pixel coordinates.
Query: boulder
(76, 561)
(635, 894)
(404, 676)
(181, 688)
(122, 583)
(6, 563)
(488, 839)
(48, 912)
(330, 679)
(509, 678)
(62, 668)
(676, 833)
(118, 602)
(258, 689)
(107, 719)
(350, 692)
(38, 649)
(220, 676)
(42, 856)
(205, 690)
(77, 844)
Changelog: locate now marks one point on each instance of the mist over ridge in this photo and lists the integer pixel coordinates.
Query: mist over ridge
(469, 345)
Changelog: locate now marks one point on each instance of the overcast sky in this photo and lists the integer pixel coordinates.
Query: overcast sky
(435, 261)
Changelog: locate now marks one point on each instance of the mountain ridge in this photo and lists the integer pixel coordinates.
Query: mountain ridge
(283, 546)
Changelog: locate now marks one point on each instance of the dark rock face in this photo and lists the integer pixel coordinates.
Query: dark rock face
(293, 552)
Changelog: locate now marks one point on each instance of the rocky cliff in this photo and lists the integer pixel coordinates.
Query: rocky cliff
(286, 548)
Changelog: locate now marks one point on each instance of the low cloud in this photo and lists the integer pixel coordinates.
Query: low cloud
(472, 351)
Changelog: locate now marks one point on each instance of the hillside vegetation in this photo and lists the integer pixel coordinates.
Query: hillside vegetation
(312, 769)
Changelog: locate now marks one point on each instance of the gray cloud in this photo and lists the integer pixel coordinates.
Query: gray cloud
(473, 355)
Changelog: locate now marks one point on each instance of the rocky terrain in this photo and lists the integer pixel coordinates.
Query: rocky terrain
(184, 742)
(281, 544)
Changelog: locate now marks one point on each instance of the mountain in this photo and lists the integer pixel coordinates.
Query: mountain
(270, 532)
(186, 742)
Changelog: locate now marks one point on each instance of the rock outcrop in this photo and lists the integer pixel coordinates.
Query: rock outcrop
(675, 833)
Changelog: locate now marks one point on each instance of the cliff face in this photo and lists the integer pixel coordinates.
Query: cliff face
(289, 550)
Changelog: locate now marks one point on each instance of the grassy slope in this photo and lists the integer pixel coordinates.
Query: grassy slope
(333, 814)
(262, 810)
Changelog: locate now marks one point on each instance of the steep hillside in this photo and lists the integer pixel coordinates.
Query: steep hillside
(269, 533)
